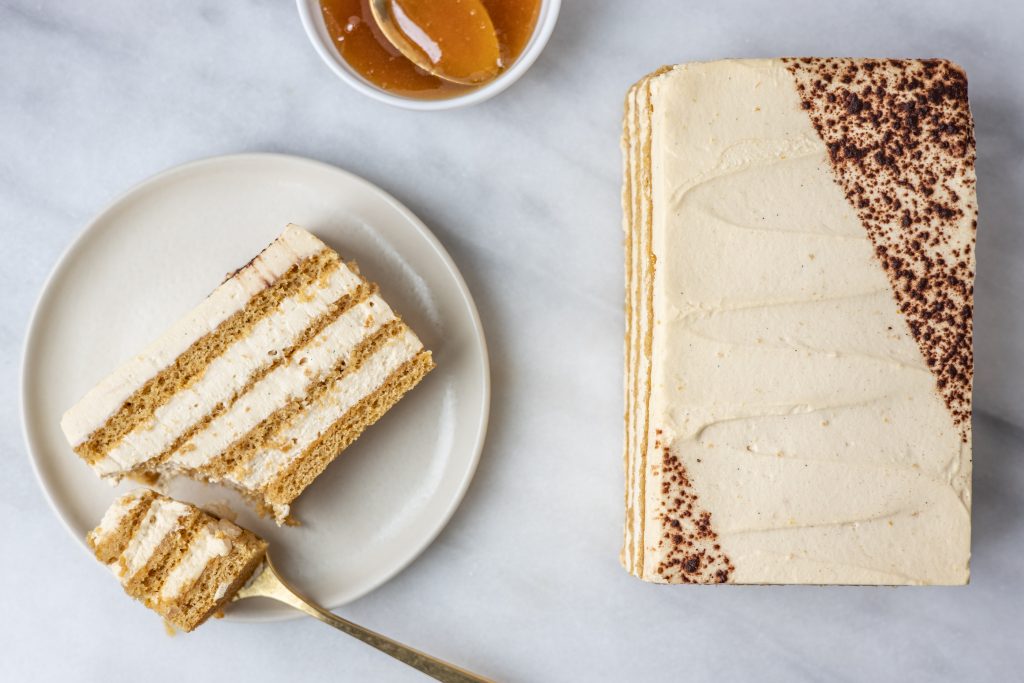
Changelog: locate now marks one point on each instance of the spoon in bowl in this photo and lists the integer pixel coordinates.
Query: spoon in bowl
(452, 39)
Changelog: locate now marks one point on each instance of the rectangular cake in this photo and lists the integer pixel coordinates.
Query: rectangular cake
(180, 561)
(261, 385)
(799, 272)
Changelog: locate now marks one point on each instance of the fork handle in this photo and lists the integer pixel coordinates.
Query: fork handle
(431, 666)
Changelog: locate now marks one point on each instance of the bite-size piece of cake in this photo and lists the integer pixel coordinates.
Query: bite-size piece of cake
(261, 385)
(180, 561)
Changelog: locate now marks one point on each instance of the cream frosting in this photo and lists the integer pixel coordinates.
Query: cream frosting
(288, 381)
(786, 380)
(345, 393)
(222, 590)
(96, 407)
(228, 373)
(308, 426)
(163, 518)
(212, 541)
(114, 515)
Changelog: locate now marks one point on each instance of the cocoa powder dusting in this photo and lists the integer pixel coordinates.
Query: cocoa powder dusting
(900, 140)
(688, 542)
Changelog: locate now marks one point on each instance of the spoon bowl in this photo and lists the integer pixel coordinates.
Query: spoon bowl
(457, 46)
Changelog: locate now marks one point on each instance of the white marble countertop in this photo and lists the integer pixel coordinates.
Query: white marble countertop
(524, 584)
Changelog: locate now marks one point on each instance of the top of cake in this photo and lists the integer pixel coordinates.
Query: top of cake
(900, 141)
(801, 373)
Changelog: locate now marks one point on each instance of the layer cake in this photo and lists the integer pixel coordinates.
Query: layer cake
(259, 387)
(180, 561)
(799, 274)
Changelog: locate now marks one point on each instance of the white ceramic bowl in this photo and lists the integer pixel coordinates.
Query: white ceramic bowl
(316, 29)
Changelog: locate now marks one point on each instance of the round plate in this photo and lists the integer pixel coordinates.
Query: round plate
(159, 250)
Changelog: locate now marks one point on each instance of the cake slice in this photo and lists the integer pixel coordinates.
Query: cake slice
(259, 387)
(180, 561)
(799, 291)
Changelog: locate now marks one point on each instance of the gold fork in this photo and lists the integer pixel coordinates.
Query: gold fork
(269, 584)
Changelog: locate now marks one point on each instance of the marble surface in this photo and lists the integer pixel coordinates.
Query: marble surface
(524, 584)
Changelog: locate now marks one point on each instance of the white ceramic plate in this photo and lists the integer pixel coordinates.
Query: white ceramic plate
(158, 250)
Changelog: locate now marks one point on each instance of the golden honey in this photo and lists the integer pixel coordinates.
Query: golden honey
(362, 45)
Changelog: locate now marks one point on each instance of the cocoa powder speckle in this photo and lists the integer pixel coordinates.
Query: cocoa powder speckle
(900, 142)
(688, 542)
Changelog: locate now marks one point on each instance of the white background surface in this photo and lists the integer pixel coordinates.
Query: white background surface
(523, 190)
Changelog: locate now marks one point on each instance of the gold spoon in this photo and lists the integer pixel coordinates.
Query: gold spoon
(269, 584)
(451, 39)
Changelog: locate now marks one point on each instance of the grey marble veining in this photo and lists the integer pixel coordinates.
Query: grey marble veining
(524, 583)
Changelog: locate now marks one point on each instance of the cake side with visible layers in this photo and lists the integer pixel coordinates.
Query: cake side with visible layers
(178, 560)
(244, 389)
(807, 414)
(639, 278)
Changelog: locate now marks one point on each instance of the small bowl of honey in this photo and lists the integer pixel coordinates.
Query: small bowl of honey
(348, 38)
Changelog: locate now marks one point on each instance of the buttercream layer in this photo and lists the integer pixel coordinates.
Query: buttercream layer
(163, 518)
(286, 383)
(228, 374)
(304, 428)
(115, 516)
(213, 540)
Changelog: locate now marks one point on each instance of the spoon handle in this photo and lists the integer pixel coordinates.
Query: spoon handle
(269, 584)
